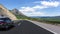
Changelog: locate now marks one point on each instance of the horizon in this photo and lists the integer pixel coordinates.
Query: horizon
(34, 7)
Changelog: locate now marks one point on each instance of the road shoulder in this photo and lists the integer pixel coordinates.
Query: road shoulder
(53, 28)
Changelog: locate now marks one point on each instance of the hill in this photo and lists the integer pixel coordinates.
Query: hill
(6, 13)
(18, 14)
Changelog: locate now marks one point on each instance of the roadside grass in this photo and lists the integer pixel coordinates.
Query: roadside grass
(45, 20)
(50, 20)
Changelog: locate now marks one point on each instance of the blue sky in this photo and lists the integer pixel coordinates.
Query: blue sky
(34, 7)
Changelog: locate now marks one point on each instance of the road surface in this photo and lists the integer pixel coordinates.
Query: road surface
(26, 27)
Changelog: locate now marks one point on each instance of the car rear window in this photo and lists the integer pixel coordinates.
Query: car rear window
(5, 19)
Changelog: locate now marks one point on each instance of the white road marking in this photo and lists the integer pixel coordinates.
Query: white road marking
(19, 24)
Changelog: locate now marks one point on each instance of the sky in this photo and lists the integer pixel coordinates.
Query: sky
(34, 7)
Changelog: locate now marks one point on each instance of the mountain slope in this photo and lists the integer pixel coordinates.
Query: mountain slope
(18, 14)
(5, 12)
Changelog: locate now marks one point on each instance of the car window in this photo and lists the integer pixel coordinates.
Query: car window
(8, 21)
(5, 19)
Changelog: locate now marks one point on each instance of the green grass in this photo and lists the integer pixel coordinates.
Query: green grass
(46, 20)
(49, 20)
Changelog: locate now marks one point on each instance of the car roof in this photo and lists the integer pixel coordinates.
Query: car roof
(3, 17)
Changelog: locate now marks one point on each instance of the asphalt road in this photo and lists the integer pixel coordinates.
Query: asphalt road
(26, 27)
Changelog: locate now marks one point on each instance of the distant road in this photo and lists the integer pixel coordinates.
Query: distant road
(26, 27)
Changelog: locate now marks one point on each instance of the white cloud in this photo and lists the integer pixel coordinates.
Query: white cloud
(32, 11)
(34, 14)
(51, 3)
(39, 7)
(26, 9)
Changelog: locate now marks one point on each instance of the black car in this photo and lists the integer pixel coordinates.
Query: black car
(6, 22)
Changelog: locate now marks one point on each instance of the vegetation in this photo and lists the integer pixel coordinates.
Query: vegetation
(50, 20)
(46, 20)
